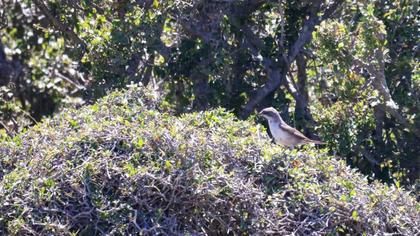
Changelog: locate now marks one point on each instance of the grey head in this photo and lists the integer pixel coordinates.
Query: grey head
(270, 114)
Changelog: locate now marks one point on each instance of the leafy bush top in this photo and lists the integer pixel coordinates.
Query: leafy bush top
(125, 165)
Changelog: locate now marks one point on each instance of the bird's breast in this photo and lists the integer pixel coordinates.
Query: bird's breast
(279, 135)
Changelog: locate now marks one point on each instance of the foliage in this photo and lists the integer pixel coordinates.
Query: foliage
(125, 165)
(375, 119)
(342, 71)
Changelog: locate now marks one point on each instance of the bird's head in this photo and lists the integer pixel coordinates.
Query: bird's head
(270, 114)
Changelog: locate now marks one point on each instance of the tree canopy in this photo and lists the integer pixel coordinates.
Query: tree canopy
(342, 71)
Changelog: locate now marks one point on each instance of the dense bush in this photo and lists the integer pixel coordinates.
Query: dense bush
(126, 165)
(345, 66)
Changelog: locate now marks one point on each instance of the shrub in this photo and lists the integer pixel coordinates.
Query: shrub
(126, 165)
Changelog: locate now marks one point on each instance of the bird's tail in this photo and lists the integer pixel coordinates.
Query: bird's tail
(316, 141)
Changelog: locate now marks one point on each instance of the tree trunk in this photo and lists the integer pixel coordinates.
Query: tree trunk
(302, 112)
(274, 81)
(201, 90)
(379, 123)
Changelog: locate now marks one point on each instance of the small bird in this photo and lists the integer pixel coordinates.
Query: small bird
(282, 132)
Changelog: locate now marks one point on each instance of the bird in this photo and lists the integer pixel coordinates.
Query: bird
(283, 133)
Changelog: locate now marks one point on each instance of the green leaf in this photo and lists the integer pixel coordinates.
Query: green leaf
(131, 170)
(95, 107)
(168, 165)
(140, 143)
(155, 3)
(355, 215)
(73, 123)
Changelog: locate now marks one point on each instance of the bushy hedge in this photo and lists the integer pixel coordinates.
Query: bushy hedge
(125, 165)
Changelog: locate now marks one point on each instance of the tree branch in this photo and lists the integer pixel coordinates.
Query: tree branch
(196, 31)
(308, 27)
(8, 132)
(274, 73)
(368, 156)
(305, 36)
(379, 84)
(58, 25)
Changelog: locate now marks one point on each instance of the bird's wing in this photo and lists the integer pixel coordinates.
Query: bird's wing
(293, 131)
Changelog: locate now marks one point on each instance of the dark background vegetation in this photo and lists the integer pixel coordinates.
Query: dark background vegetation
(346, 72)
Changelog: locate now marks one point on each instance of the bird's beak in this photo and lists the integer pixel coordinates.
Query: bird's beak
(260, 114)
